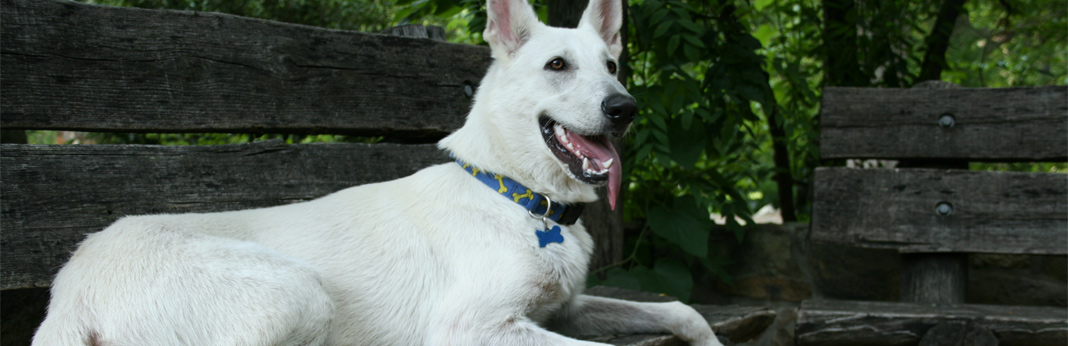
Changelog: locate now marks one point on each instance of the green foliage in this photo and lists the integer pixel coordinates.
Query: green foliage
(702, 144)
(463, 20)
(1010, 43)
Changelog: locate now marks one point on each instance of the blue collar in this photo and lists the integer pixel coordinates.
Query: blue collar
(563, 214)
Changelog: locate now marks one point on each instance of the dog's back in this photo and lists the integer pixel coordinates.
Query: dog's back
(147, 281)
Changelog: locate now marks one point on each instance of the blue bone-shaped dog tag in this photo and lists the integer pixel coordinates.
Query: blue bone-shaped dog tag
(549, 236)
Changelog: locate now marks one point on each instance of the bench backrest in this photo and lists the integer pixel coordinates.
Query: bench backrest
(937, 209)
(71, 66)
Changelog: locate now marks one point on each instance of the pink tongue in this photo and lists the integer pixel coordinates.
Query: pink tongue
(598, 153)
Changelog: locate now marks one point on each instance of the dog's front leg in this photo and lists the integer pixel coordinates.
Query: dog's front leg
(590, 315)
(512, 331)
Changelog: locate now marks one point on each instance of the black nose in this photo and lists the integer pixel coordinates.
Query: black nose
(619, 108)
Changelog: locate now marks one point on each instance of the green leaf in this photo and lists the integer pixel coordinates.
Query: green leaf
(659, 122)
(642, 136)
(686, 143)
(669, 276)
(764, 33)
(761, 4)
(661, 137)
(680, 226)
(662, 29)
(658, 16)
(750, 93)
(644, 151)
(673, 43)
(617, 277)
(677, 281)
(686, 119)
(689, 25)
(694, 40)
(692, 54)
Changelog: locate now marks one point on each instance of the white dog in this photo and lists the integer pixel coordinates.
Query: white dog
(456, 254)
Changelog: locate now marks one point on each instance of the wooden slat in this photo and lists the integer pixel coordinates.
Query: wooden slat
(54, 195)
(829, 322)
(71, 66)
(997, 212)
(1007, 124)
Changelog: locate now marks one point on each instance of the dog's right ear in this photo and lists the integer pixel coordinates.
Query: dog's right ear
(508, 26)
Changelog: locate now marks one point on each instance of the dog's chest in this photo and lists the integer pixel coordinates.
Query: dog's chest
(558, 270)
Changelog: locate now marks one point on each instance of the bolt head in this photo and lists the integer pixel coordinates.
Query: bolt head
(944, 209)
(947, 120)
(469, 90)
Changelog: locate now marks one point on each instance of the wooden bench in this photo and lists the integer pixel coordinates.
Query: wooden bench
(74, 67)
(935, 211)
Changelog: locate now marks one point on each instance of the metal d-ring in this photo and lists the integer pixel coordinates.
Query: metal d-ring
(548, 210)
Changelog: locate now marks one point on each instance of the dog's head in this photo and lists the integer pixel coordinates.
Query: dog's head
(550, 103)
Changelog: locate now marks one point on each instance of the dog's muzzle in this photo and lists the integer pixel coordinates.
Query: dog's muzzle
(590, 157)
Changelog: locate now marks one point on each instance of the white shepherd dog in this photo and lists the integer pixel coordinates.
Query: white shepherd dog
(462, 253)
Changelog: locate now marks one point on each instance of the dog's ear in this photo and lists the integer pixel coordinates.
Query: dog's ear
(606, 17)
(508, 25)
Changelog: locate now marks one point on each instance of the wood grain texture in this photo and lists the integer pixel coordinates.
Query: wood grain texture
(997, 212)
(1006, 124)
(54, 195)
(71, 66)
(829, 322)
(934, 278)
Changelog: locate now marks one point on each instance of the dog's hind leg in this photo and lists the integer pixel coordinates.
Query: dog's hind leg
(590, 315)
(142, 282)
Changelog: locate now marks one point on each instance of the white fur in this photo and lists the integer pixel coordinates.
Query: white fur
(436, 258)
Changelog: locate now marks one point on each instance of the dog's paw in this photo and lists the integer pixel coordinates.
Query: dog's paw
(716, 340)
(690, 326)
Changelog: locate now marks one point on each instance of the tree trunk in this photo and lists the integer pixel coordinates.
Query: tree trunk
(934, 59)
(784, 179)
(566, 13)
(840, 43)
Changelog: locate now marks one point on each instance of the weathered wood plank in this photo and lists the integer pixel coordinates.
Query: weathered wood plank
(54, 195)
(71, 66)
(998, 212)
(934, 278)
(1017, 124)
(829, 322)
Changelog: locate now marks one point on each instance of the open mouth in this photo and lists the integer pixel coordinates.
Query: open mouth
(591, 159)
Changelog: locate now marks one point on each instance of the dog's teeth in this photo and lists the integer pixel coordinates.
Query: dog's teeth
(562, 135)
(608, 164)
(570, 147)
(585, 163)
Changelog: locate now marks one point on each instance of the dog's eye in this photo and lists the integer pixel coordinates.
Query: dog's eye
(557, 64)
(612, 67)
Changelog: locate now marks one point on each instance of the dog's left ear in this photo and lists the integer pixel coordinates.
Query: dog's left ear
(606, 17)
